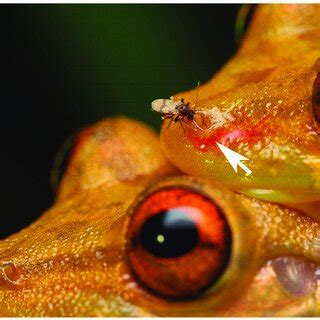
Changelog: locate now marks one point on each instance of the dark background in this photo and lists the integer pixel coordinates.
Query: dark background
(65, 66)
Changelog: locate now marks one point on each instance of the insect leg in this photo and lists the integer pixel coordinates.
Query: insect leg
(166, 116)
(172, 120)
(197, 96)
(196, 125)
(184, 120)
(176, 118)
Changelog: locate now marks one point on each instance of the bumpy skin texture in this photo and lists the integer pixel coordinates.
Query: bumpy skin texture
(261, 107)
(73, 260)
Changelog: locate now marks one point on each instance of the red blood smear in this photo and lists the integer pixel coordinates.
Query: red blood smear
(229, 137)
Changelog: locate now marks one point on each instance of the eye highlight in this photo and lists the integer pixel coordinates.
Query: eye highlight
(179, 242)
(170, 233)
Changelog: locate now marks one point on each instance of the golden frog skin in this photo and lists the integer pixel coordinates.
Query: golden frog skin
(73, 261)
(82, 256)
(263, 104)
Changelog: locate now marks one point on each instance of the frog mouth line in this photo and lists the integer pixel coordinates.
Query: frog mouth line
(278, 196)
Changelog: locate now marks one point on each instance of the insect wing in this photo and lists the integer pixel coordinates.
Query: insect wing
(164, 106)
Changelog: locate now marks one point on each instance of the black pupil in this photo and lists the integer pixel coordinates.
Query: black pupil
(169, 234)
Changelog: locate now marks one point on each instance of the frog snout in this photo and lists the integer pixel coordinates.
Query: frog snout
(74, 266)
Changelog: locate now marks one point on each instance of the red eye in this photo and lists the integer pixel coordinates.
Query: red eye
(179, 242)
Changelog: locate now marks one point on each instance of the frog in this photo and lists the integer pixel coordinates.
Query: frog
(133, 232)
(263, 104)
(105, 249)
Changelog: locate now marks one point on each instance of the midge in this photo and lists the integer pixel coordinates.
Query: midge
(175, 110)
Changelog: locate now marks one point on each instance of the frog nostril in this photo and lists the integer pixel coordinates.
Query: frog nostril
(11, 273)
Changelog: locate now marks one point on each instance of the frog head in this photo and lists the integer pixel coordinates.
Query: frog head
(130, 235)
(263, 104)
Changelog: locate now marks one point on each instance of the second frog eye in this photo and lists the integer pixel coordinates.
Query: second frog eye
(179, 242)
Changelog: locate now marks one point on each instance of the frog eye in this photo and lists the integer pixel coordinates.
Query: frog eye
(61, 160)
(316, 98)
(179, 243)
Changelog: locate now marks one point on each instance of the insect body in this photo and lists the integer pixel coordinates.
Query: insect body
(174, 110)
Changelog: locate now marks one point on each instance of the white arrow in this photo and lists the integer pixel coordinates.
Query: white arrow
(234, 158)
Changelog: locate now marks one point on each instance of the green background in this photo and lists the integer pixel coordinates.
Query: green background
(65, 66)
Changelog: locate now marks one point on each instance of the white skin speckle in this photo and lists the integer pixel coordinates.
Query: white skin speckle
(218, 118)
